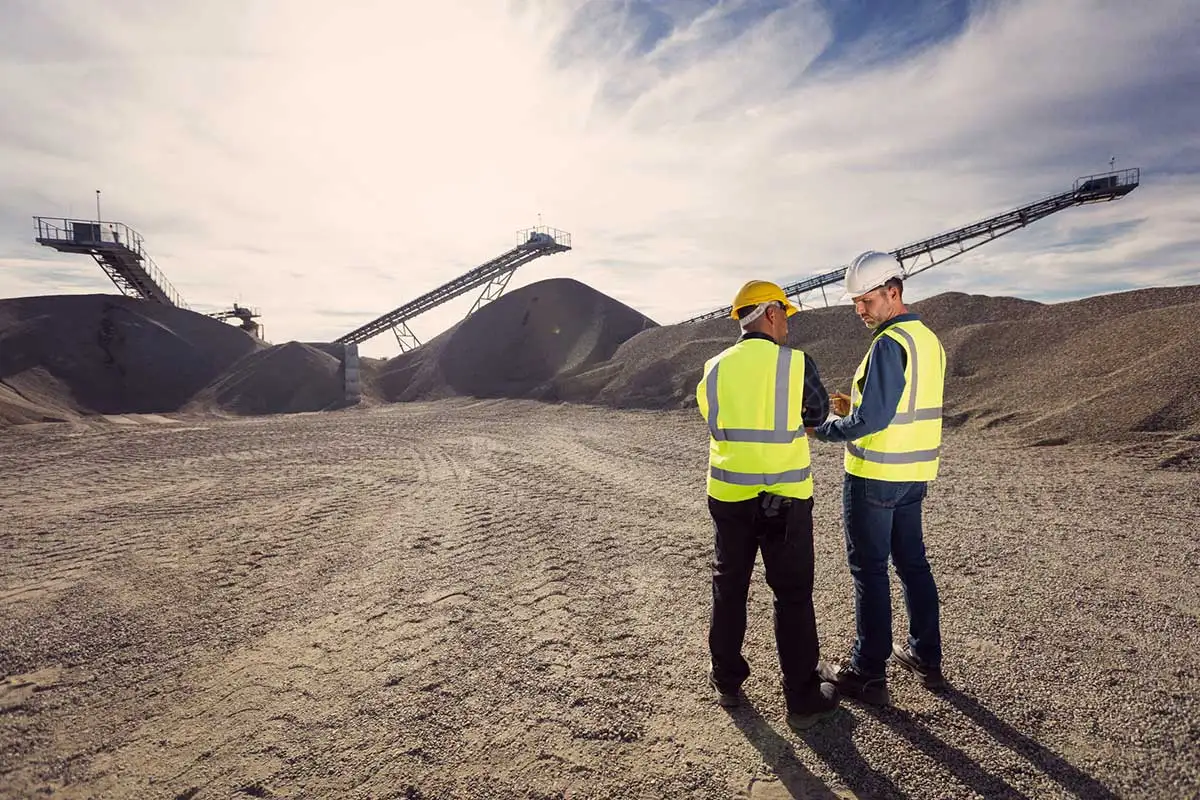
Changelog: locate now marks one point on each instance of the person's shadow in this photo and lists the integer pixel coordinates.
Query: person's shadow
(1054, 766)
(967, 771)
(829, 739)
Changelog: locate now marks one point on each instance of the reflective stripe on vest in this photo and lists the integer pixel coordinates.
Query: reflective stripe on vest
(913, 457)
(925, 458)
(763, 478)
(780, 434)
(784, 450)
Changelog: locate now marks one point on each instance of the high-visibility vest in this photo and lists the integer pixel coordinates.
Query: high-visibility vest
(751, 396)
(908, 448)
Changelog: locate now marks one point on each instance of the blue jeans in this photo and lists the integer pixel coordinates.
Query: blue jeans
(883, 518)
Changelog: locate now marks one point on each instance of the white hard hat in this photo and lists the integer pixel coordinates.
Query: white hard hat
(869, 271)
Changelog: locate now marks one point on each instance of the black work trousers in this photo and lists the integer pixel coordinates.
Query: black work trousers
(785, 535)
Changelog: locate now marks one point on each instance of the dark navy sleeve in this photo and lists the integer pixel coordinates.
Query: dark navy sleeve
(880, 395)
(815, 401)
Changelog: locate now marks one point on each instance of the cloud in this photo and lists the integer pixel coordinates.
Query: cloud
(319, 160)
(864, 35)
(32, 277)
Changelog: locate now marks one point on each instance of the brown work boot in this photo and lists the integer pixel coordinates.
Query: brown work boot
(852, 683)
(931, 676)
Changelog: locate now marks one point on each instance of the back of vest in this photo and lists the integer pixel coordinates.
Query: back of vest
(751, 396)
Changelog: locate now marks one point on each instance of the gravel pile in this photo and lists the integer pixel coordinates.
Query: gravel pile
(284, 379)
(18, 409)
(64, 356)
(369, 370)
(1096, 370)
(516, 346)
(1102, 369)
(1093, 370)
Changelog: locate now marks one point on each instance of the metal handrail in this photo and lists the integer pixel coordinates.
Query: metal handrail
(110, 235)
(1120, 178)
(560, 237)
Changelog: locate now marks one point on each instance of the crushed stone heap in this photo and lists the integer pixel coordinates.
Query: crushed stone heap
(517, 345)
(66, 356)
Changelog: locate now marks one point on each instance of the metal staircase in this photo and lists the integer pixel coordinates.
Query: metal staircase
(920, 256)
(119, 251)
(492, 275)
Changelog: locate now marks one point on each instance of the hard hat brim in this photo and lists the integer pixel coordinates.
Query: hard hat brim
(848, 295)
(787, 307)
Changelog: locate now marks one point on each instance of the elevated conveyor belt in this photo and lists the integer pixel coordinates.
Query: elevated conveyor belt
(492, 275)
(920, 256)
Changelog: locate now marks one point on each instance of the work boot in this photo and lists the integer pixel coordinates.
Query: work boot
(853, 683)
(931, 677)
(823, 702)
(725, 699)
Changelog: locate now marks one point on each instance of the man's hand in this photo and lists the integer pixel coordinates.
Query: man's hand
(840, 403)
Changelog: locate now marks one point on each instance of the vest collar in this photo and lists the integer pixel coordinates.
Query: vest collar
(909, 317)
(756, 335)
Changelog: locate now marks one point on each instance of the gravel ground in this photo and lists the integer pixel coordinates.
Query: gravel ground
(504, 599)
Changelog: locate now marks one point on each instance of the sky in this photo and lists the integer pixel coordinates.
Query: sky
(328, 162)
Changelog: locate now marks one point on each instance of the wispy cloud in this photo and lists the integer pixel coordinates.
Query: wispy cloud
(875, 34)
(33, 277)
(317, 160)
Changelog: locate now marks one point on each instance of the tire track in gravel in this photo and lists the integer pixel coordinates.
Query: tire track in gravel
(537, 628)
(236, 696)
(498, 599)
(230, 574)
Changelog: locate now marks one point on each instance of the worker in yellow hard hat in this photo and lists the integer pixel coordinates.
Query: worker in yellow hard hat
(758, 397)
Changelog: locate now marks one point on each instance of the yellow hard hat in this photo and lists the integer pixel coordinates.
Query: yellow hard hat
(755, 292)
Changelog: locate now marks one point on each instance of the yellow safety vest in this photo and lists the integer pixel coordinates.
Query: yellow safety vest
(907, 449)
(751, 397)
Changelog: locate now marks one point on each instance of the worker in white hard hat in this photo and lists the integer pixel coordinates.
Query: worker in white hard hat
(758, 397)
(891, 424)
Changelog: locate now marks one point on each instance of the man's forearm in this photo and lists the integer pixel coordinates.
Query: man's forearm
(882, 389)
(856, 424)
